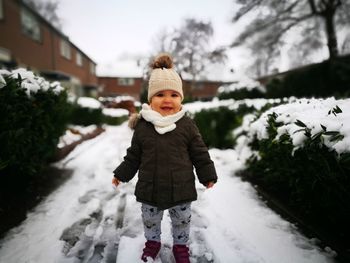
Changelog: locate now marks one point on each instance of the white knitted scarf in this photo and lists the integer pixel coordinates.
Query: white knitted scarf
(162, 124)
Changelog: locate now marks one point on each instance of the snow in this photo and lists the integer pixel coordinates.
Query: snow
(92, 103)
(115, 112)
(86, 220)
(74, 133)
(243, 82)
(122, 98)
(30, 82)
(88, 102)
(313, 113)
(2, 80)
(232, 104)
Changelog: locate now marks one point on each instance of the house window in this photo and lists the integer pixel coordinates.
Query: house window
(65, 49)
(1, 9)
(92, 68)
(5, 54)
(79, 59)
(126, 82)
(30, 25)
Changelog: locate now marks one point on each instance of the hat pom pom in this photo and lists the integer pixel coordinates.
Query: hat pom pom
(162, 61)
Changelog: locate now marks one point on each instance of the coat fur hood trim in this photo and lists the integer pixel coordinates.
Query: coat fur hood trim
(133, 120)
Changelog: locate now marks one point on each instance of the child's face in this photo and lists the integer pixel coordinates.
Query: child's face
(166, 102)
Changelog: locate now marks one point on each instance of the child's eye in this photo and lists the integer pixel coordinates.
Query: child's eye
(174, 95)
(160, 94)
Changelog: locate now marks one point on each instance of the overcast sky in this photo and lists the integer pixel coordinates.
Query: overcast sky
(111, 31)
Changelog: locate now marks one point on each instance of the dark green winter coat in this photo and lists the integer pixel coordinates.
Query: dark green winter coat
(165, 163)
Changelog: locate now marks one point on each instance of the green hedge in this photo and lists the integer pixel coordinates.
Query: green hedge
(313, 180)
(216, 125)
(241, 94)
(329, 78)
(85, 116)
(88, 116)
(30, 130)
(109, 120)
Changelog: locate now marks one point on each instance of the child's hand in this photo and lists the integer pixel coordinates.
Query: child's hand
(209, 185)
(115, 182)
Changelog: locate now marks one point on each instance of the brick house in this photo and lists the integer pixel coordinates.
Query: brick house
(203, 89)
(118, 86)
(28, 40)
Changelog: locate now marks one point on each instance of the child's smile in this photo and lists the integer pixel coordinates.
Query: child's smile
(166, 108)
(166, 102)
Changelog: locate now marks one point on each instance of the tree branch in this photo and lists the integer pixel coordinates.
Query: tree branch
(325, 5)
(257, 27)
(313, 7)
(246, 9)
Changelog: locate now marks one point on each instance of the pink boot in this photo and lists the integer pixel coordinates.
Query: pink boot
(151, 250)
(181, 254)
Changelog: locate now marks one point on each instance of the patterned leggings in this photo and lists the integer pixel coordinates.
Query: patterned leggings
(180, 221)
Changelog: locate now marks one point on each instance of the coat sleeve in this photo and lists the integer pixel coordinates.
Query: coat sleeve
(128, 168)
(200, 157)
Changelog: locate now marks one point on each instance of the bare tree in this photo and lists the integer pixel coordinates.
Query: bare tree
(190, 48)
(317, 20)
(48, 9)
(262, 65)
(345, 42)
(163, 41)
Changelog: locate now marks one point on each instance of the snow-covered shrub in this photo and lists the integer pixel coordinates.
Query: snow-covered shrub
(216, 119)
(241, 94)
(85, 115)
(245, 88)
(216, 125)
(34, 114)
(115, 116)
(88, 111)
(302, 156)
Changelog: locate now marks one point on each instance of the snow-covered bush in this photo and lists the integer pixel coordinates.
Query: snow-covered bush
(89, 111)
(217, 119)
(316, 115)
(115, 116)
(82, 115)
(244, 88)
(216, 125)
(301, 155)
(29, 82)
(34, 114)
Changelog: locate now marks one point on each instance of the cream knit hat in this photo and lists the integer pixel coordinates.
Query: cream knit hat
(164, 77)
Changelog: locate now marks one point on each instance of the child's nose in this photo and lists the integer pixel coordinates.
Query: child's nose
(167, 98)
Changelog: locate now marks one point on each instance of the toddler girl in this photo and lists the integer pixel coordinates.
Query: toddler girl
(165, 146)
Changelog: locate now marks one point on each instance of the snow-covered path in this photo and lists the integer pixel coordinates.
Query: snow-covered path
(86, 220)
